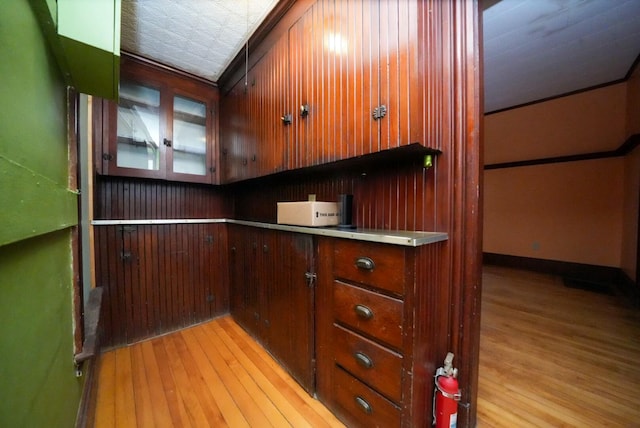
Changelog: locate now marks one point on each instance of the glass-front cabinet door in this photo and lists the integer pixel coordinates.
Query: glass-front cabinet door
(138, 136)
(189, 136)
(162, 127)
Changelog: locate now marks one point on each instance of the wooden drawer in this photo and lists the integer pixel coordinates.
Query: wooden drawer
(364, 406)
(373, 364)
(374, 314)
(381, 266)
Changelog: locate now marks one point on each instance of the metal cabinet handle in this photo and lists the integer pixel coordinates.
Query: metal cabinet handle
(365, 263)
(364, 405)
(167, 142)
(363, 312)
(287, 119)
(363, 360)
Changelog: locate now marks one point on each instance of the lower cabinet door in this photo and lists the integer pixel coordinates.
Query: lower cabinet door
(289, 303)
(272, 298)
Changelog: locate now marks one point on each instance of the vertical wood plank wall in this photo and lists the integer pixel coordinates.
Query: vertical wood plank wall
(119, 198)
(398, 196)
(159, 278)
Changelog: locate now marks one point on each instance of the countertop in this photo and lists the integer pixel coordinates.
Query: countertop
(394, 237)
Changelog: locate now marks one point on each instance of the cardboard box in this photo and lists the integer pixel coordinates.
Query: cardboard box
(308, 213)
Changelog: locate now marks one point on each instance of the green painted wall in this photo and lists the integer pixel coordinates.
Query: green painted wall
(38, 386)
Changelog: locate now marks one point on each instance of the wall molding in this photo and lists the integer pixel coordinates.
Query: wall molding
(625, 148)
(623, 286)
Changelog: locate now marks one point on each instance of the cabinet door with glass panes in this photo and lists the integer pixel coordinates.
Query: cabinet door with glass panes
(162, 128)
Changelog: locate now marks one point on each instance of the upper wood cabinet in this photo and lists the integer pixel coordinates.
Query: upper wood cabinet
(343, 80)
(354, 66)
(256, 134)
(163, 126)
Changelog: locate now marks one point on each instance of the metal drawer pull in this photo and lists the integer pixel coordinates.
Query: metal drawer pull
(363, 360)
(365, 263)
(364, 405)
(363, 312)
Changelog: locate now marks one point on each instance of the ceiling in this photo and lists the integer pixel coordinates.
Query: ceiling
(197, 36)
(536, 49)
(533, 49)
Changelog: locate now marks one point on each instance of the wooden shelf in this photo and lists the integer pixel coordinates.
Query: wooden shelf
(410, 154)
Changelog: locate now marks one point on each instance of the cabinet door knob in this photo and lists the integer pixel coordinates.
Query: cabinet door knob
(363, 404)
(304, 110)
(365, 263)
(287, 119)
(363, 312)
(363, 360)
(167, 142)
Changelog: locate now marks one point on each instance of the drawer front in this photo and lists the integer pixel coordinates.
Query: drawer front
(366, 407)
(373, 364)
(381, 266)
(372, 313)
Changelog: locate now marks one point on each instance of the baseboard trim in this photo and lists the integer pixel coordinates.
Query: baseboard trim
(87, 407)
(629, 290)
(621, 284)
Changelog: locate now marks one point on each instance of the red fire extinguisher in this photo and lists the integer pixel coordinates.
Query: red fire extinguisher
(446, 395)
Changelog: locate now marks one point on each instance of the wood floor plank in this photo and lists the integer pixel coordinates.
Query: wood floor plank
(105, 400)
(231, 412)
(193, 375)
(161, 414)
(555, 356)
(318, 415)
(248, 376)
(241, 396)
(124, 395)
(175, 406)
(142, 393)
(198, 416)
(272, 390)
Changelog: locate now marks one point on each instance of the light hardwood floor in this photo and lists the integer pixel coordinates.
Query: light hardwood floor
(210, 375)
(550, 356)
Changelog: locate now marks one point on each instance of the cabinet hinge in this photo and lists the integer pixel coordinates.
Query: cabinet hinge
(379, 112)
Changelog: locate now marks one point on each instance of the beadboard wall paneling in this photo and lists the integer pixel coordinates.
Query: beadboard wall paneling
(159, 278)
(397, 197)
(138, 199)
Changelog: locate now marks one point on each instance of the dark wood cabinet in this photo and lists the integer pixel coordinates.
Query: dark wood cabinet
(163, 126)
(159, 278)
(234, 131)
(344, 78)
(255, 115)
(371, 334)
(271, 296)
(355, 65)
